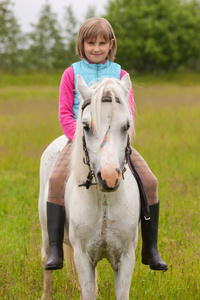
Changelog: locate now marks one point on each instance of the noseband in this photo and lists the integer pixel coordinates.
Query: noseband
(86, 159)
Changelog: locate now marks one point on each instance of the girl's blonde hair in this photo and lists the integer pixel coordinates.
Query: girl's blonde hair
(89, 30)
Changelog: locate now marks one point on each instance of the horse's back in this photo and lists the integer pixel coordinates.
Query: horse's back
(50, 155)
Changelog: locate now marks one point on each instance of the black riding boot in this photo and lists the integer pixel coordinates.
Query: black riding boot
(150, 254)
(55, 226)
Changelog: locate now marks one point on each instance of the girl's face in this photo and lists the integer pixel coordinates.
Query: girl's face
(97, 50)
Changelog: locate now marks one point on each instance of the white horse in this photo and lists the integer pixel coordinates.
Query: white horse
(101, 220)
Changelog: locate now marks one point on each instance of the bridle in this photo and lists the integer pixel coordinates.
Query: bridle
(86, 159)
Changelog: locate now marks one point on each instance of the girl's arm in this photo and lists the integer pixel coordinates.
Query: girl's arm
(131, 97)
(66, 100)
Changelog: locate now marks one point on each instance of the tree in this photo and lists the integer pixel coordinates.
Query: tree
(70, 32)
(156, 34)
(91, 12)
(11, 39)
(46, 50)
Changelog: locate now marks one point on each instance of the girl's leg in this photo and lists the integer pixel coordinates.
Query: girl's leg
(149, 181)
(56, 209)
(150, 254)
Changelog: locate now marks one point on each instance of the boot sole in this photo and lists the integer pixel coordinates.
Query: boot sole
(53, 267)
(155, 268)
(164, 269)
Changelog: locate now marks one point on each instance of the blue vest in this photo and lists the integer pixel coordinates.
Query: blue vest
(90, 73)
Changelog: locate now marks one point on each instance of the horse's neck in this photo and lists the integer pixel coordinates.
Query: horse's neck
(79, 169)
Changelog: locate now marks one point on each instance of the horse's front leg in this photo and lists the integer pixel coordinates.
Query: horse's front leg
(123, 275)
(86, 274)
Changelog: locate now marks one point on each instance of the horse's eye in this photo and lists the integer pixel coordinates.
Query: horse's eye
(126, 127)
(86, 127)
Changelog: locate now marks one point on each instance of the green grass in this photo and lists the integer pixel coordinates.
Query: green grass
(167, 135)
(181, 78)
(189, 78)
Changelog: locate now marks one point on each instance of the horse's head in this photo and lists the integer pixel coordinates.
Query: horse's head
(103, 125)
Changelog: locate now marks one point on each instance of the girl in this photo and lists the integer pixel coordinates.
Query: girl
(96, 47)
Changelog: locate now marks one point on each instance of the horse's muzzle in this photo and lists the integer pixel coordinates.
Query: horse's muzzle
(109, 179)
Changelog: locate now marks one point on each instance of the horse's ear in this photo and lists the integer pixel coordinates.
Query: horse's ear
(82, 88)
(126, 82)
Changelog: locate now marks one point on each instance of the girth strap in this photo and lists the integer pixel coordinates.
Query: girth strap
(143, 197)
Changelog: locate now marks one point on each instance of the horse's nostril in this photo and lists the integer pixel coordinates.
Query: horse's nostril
(118, 170)
(99, 175)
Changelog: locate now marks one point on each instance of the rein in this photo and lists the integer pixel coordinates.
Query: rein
(86, 159)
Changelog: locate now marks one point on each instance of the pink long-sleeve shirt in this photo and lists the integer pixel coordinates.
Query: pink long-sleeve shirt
(66, 101)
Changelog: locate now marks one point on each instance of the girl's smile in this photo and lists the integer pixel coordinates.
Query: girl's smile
(97, 50)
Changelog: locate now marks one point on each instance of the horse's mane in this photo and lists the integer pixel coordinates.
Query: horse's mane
(106, 87)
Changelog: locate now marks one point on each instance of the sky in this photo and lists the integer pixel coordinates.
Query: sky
(27, 11)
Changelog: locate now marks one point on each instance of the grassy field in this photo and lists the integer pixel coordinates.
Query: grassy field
(168, 137)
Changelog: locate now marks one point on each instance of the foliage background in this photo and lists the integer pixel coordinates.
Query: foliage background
(152, 36)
